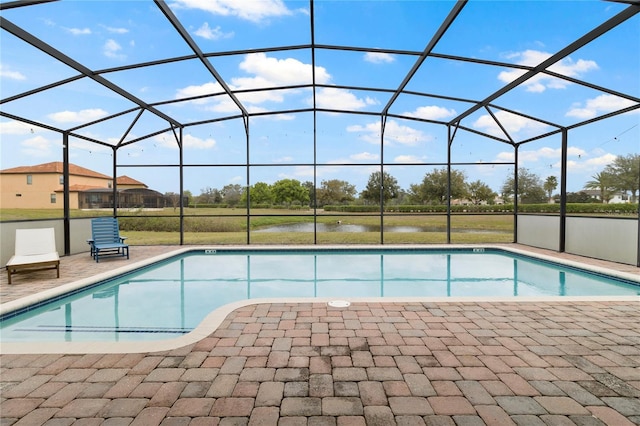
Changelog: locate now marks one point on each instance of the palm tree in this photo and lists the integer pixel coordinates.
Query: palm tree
(549, 185)
(602, 182)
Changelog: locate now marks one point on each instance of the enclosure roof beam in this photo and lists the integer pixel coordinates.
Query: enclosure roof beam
(455, 11)
(592, 86)
(49, 50)
(31, 122)
(41, 89)
(618, 19)
(193, 45)
(21, 3)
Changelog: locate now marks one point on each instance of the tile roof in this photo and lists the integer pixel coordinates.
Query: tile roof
(126, 180)
(55, 167)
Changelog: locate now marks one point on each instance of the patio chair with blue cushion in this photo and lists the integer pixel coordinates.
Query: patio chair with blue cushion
(106, 240)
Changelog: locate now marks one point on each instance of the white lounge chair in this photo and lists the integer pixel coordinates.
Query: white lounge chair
(35, 250)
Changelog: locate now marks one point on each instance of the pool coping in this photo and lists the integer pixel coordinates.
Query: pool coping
(212, 321)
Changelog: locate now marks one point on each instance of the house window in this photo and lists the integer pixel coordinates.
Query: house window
(110, 184)
(29, 179)
(53, 198)
(61, 179)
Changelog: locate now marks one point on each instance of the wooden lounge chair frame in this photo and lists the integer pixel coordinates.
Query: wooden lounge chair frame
(35, 249)
(106, 240)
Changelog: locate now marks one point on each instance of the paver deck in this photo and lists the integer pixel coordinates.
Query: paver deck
(419, 363)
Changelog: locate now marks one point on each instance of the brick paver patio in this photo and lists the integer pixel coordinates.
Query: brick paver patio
(428, 363)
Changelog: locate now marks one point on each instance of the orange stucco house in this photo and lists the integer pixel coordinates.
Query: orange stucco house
(41, 187)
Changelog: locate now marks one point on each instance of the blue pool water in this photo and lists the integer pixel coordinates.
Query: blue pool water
(172, 297)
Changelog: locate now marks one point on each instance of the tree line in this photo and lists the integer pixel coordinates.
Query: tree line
(622, 176)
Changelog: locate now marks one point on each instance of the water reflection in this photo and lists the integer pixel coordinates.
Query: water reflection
(172, 298)
(347, 227)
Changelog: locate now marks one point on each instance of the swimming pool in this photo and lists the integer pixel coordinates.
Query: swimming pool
(171, 297)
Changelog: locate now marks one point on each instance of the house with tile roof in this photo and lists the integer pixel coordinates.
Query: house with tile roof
(41, 187)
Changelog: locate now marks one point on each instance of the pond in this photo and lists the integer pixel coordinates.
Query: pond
(345, 227)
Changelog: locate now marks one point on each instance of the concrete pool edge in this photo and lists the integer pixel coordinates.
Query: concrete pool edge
(211, 323)
(216, 317)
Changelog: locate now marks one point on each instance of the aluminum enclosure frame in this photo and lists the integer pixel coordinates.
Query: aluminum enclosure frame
(453, 126)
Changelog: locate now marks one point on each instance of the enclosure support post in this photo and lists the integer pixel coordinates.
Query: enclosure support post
(563, 193)
(65, 192)
(383, 122)
(515, 193)
(449, 141)
(314, 199)
(181, 191)
(638, 240)
(314, 195)
(248, 186)
(115, 182)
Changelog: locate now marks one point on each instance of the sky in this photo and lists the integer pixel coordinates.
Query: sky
(113, 36)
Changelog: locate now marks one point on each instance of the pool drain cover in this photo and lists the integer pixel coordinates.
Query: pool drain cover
(339, 304)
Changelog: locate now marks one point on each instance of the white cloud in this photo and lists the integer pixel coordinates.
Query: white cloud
(589, 164)
(275, 117)
(277, 72)
(190, 141)
(505, 156)
(38, 146)
(12, 75)
(603, 160)
(255, 11)
(431, 112)
(265, 72)
(283, 117)
(299, 172)
(394, 132)
(204, 89)
(116, 30)
(209, 33)
(334, 98)
(260, 97)
(513, 123)
(222, 104)
(600, 104)
(78, 31)
(407, 159)
(578, 160)
(548, 153)
(168, 140)
(404, 135)
(541, 82)
(378, 57)
(111, 49)
(371, 101)
(15, 128)
(81, 116)
(286, 159)
(541, 154)
(364, 156)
